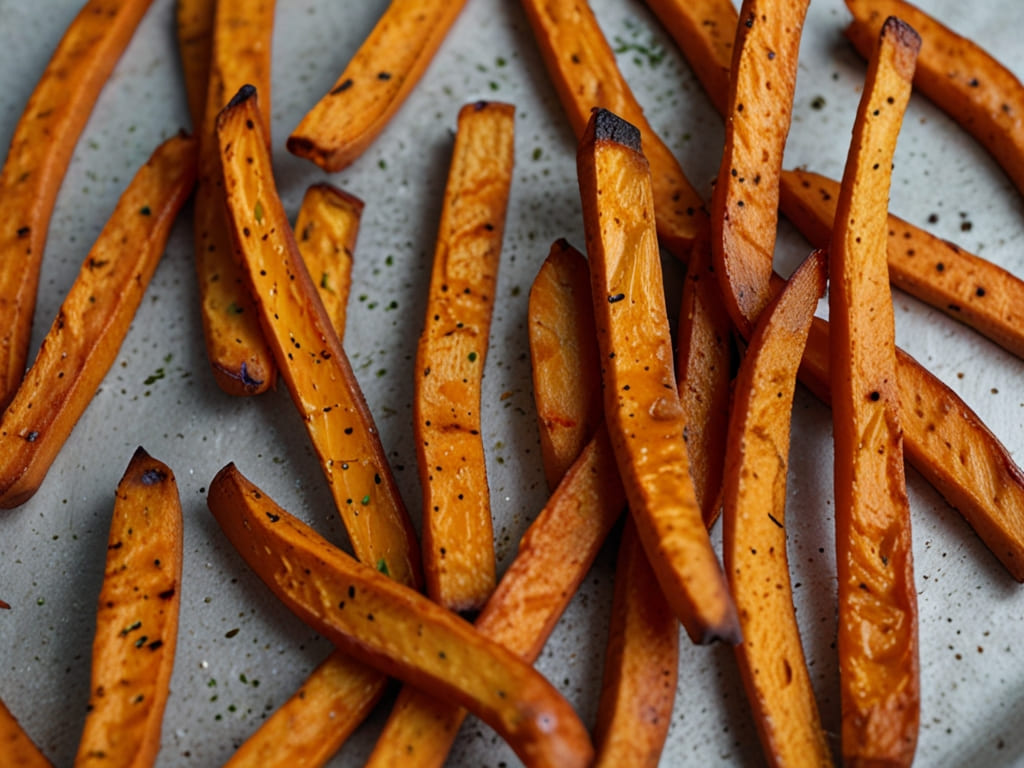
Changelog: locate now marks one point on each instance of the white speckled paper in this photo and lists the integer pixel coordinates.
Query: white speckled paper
(240, 652)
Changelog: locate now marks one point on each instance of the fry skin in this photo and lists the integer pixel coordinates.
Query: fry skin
(771, 658)
(16, 746)
(878, 660)
(395, 629)
(642, 410)
(136, 620)
(92, 322)
(38, 158)
(310, 357)
(458, 535)
(380, 76)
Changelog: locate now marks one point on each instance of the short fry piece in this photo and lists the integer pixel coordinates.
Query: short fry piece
(92, 322)
(326, 230)
(458, 535)
(745, 203)
(642, 409)
(15, 745)
(136, 621)
(376, 81)
(310, 356)
(395, 629)
(239, 356)
(771, 658)
(194, 20)
(963, 79)
(38, 158)
(878, 662)
(582, 68)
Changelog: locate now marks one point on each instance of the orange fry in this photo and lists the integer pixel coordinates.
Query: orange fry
(194, 21)
(395, 629)
(38, 158)
(383, 72)
(92, 322)
(16, 746)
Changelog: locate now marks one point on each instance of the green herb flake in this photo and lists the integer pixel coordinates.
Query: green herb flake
(131, 628)
(382, 566)
(472, 357)
(325, 282)
(145, 210)
(154, 377)
(538, 153)
(41, 601)
(258, 212)
(234, 309)
(366, 500)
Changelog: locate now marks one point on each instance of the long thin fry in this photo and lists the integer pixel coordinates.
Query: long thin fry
(582, 67)
(136, 620)
(458, 535)
(15, 744)
(194, 22)
(376, 81)
(395, 629)
(38, 157)
(239, 356)
(312, 361)
(642, 410)
(771, 658)
(878, 661)
(92, 322)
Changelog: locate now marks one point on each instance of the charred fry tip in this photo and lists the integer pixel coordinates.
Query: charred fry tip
(5, 606)
(350, 199)
(141, 454)
(245, 93)
(729, 632)
(907, 42)
(607, 126)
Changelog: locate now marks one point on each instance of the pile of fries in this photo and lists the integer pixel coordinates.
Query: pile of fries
(494, 438)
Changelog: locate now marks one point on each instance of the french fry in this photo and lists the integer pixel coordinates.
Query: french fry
(38, 158)
(395, 629)
(582, 68)
(241, 361)
(964, 286)
(771, 658)
(642, 410)
(376, 81)
(92, 322)
(961, 77)
(458, 535)
(136, 620)
(194, 20)
(326, 230)
(310, 357)
(745, 203)
(18, 749)
(878, 662)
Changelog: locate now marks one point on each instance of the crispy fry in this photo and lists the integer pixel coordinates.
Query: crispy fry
(964, 286)
(380, 76)
(309, 354)
(963, 79)
(136, 620)
(458, 536)
(15, 745)
(194, 20)
(878, 662)
(241, 360)
(641, 663)
(771, 658)
(85, 337)
(582, 68)
(326, 230)
(642, 407)
(745, 203)
(563, 355)
(38, 158)
(395, 629)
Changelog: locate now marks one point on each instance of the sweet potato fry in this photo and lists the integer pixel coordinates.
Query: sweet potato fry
(878, 663)
(582, 68)
(239, 356)
(961, 77)
(312, 361)
(136, 620)
(458, 536)
(641, 663)
(85, 337)
(38, 157)
(194, 20)
(18, 749)
(326, 230)
(395, 629)
(964, 286)
(563, 355)
(745, 203)
(376, 81)
(642, 410)
(771, 658)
